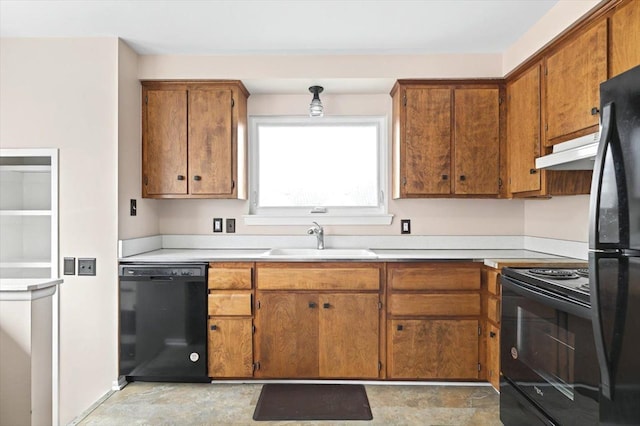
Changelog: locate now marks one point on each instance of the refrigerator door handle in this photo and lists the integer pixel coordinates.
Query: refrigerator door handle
(598, 174)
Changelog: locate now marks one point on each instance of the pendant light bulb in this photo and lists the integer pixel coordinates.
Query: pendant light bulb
(315, 108)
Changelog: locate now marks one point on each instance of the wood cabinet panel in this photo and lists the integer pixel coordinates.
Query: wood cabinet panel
(230, 347)
(427, 147)
(624, 41)
(210, 141)
(492, 279)
(477, 141)
(433, 349)
(433, 277)
(164, 153)
(230, 303)
(435, 304)
(493, 356)
(493, 309)
(574, 74)
(348, 335)
(286, 341)
(523, 131)
(305, 277)
(230, 278)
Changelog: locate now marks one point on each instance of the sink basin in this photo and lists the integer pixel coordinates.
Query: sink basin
(320, 254)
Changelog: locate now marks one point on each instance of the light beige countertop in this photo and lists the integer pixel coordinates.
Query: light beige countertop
(492, 258)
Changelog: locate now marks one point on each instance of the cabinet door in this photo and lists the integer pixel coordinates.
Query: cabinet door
(574, 74)
(523, 131)
(477, 141)
(348, 335)
(230, 347)
(287, 335)
(433, 349)
(164, 148)
(624, 45)
(493, 356)
(426, 152)
(210, 142)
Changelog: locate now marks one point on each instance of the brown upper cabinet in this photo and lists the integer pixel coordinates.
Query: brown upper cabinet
(446, 139)
(194, 139)
(624, 37)
(574, 71)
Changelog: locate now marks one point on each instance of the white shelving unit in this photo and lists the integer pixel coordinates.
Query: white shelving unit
(29, 213)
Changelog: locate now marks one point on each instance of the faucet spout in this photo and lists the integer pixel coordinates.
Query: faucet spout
(318, 231)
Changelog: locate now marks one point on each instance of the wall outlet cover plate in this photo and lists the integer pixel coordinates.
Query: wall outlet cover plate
(87, 266)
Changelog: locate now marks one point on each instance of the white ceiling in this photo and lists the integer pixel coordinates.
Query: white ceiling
(199, 27)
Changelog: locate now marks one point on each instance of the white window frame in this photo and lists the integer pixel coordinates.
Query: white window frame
(333, 215)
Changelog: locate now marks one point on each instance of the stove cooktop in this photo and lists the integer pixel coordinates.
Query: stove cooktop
(567, 281)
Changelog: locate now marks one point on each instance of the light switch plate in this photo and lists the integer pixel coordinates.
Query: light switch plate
(405, 226)
(217, 224)
(69, 266)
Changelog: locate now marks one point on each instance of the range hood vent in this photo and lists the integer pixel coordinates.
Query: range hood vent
(576, 154)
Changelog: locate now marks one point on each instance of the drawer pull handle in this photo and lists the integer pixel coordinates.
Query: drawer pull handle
(326, 305)
(180, 177)
(214, 327)
(312, 305)
(400, 328)
(492, 334)
(463, 178)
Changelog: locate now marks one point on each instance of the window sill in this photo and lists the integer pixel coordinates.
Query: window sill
(378, 219)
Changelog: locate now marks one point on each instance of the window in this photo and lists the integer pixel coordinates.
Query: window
(330, 169)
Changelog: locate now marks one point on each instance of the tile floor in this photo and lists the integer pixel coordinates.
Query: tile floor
(233, 404)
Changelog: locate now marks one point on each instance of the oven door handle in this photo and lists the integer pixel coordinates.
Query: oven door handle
(554, 301)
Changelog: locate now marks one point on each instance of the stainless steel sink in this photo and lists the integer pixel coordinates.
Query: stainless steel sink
(301, 253)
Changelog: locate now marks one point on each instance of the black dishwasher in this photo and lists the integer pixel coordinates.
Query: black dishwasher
(163, 322)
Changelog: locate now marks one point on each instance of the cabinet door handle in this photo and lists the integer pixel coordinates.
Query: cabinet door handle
(595, 111)
(532, 171)
(312, 305)
(492, 334)
(214, 327)
(400, 328)
(196, 177)
(326, 305)
(180, 177)
(445, 177)
(463, 177)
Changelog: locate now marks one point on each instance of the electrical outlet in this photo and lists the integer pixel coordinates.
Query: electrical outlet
(87, 266)
(133, 207)
(217, 224)
(405, 226)
(231, 226)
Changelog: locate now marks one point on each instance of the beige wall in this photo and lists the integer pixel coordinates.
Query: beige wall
(556, 20)
(130, 151)
(565, 218)
(63, 93)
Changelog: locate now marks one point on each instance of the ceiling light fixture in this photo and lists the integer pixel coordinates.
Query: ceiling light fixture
(315, 108)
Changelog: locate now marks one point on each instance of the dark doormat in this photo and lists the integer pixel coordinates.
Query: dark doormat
(312, 402)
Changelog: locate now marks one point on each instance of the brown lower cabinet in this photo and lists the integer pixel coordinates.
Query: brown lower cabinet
(493, 355)
(433, 349)
(230, 347)
(317, 335)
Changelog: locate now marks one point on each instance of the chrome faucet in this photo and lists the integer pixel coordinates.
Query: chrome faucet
(318, 231)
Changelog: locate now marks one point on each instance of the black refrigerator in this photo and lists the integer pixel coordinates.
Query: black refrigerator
(614, 250)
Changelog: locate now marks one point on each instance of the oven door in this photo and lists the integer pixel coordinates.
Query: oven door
(548, 352)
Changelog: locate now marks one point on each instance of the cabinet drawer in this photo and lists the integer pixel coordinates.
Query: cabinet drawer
(231, 278)
(434, 304)
(493, 309)
(436, 277)
(493, 285)
(225, 303)
(318, 278)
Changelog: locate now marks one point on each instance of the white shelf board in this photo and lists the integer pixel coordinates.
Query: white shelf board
(25, 212)
(25, 264)
(26, 168)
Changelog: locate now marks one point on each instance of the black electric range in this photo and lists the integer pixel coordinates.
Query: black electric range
(570, 282)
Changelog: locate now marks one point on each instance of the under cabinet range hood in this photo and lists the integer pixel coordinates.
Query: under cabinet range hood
(576, 154)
